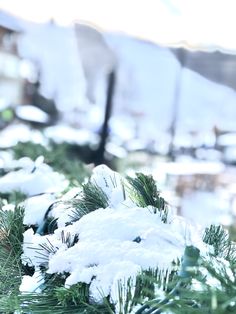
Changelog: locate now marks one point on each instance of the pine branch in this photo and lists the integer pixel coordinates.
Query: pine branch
(12, 229)
(14, 197)
(58, 156)
(144, 193)
(47, 249)
(92, 198)
(68, 239)
(11, 237)
(188, 288)
(75, 295)
(42, 303)
(219, 239)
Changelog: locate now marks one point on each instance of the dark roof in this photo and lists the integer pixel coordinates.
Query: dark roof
(216, 66)
(9, 22)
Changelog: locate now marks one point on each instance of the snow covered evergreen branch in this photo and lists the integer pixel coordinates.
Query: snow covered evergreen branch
(114, 248)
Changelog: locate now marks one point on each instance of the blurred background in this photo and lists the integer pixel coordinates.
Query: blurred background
(139, 85)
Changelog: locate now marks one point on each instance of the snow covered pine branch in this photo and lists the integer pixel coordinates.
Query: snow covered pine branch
(114, 246)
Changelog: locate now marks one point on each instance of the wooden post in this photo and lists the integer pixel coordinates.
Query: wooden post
(176, 104)
(100, 153)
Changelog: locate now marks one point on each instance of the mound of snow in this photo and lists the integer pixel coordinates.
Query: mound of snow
(35, 208)
(32, 179)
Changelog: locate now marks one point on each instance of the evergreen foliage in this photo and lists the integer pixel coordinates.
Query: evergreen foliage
(58, 156)
(144, 193)
(92, 198)
(219, 239)
(15, 197)
(11, 236)
(198, 283)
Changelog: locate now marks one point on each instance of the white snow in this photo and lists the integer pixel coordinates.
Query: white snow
(63, 213)
(7, 162)
(8, 207)
(64, 133)
(15, 133)
(32, 283)
(62, 210)
(72, 193)
(110, 182)
(33, 179)
(114, 243)
(35, 208)
(33, 253)
(32, 113)
(107, 250)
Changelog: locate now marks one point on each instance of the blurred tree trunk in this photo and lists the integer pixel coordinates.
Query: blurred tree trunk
(176, 105)
(100, 153)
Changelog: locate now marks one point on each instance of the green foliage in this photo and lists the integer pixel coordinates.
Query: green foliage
(232, 232)
(203, 285)
(196, 284)
(31, 150)
(170, 284)
(219, 239)
(7, 115)
(45, 303)
(75, 295)
(58, 156)
(149, 285)
(14, 197)
(92, 198)
(11, 237)
(11, 229)
(144, 193)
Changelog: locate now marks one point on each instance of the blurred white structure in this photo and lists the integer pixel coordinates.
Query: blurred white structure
(11, 82)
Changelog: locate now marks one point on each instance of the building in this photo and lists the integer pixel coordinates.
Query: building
(11, 82)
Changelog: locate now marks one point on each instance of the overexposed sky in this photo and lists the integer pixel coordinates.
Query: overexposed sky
(195, 22)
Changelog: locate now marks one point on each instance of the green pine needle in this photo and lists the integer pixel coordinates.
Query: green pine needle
(144, 193)
(47, 303)
(59, 156)
(219, 239)
(12, 229)
(92, 198)
(14, 197)
(11, 237)
(75, 295)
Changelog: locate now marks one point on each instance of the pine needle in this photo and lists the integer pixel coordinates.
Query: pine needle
(144, 192)
(92, 198)
(219, 239)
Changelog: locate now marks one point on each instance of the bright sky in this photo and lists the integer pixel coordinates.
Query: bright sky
(197, 22)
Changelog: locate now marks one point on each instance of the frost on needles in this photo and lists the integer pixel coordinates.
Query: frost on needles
(114, 246)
